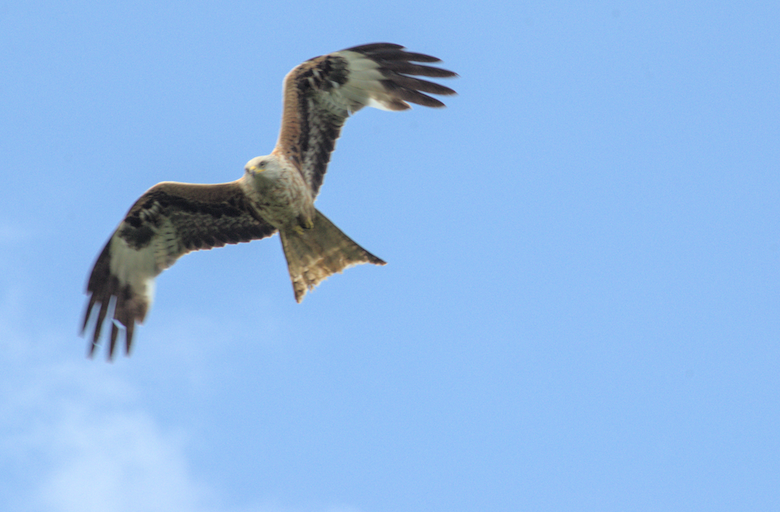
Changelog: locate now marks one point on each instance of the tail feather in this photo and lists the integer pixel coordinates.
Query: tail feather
(319, 252)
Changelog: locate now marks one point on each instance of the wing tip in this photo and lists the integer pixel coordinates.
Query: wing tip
(122, 314)
(400, 84)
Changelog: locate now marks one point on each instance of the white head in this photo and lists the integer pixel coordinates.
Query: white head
(263, 164)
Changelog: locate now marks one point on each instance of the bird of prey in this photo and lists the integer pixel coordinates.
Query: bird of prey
(275, 193)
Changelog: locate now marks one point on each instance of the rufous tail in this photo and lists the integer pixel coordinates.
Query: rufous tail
(314, 254)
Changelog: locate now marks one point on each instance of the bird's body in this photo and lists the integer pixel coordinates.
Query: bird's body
(276, 192)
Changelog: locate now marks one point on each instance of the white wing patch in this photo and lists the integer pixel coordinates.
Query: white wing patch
(136, 267)
(364, 84)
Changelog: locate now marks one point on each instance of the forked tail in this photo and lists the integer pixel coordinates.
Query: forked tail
(319, 252)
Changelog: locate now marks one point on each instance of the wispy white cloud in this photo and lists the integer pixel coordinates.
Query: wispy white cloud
(76, 437)
(77, 440)
(116, 462)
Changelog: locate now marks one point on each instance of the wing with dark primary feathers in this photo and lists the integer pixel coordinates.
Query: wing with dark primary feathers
(167, 222)
(322, 92)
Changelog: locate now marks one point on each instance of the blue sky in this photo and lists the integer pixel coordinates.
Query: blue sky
(580, 306)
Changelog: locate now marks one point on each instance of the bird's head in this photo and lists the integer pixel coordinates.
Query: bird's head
(264, 172)
(259, 164)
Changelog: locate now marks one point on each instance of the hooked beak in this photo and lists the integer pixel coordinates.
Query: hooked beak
(253, 169)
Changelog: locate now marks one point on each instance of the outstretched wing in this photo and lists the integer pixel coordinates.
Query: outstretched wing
(322, 92)
(167, 222)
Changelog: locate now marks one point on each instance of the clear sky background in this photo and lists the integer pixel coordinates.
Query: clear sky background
(580, 306)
